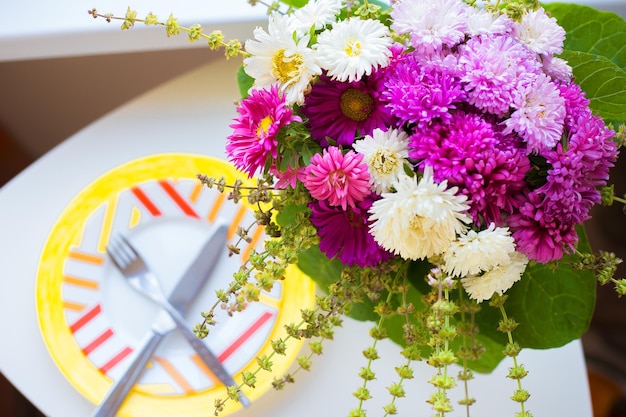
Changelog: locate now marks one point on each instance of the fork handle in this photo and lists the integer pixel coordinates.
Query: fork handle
(120, 388)
(204, 352)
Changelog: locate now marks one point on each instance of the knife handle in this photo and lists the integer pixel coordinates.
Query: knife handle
(120, 388)
(204, 352)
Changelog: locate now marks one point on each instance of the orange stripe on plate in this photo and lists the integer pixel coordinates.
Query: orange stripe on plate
(176, 376)
(195, 192)
(258, 232)
(70, 305)
(81, 282)
(234, 224)
(205, 369)
(217, 205)
(86, 257)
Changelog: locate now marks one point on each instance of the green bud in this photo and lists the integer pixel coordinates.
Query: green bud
(249, 378)
(129, 19)
(404, 371)
(371, 353)
(316, 347)
(367, 374)
(396, 390)
(173, 28)
(362, 394)
(151, 19)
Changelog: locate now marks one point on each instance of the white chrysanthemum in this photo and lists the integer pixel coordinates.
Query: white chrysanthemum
(420, 219)
(481, 22)
(557, 68)
(276, 58)
(385, 154)
(541, 33)
(316, 14)
(353, 48)
(476, 252)
(431, 24)
(498, 280)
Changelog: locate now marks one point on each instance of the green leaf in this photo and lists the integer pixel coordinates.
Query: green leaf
(603, 82)
(295, 3)
(244, 81)
(552, 307)
(322, 270)
(592, 31)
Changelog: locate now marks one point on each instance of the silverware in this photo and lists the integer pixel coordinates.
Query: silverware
(181, 297)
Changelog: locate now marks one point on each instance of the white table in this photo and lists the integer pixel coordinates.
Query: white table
(191, 114)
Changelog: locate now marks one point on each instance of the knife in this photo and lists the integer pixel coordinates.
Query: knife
(181, 297)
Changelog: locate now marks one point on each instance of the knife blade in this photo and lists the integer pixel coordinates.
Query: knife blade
(181, 297)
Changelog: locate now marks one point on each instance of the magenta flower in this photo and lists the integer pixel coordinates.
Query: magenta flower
(343, 111)
(472, 153)
(544, 226)
(539, 235)
(417, 92)
(344, 234)
(261, 116)
(341, 179)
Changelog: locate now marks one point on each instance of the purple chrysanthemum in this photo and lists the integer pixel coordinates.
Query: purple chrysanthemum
(343, 111)
(418, 91)
(344, 234)
(472, 153)
(253, 141)
(544, 226)
(539, 234)
(493, 67)
(341, 179)
(576, 104)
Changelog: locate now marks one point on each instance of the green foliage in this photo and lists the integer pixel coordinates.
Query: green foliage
(244, 81)
(553, 306)
(595, 48)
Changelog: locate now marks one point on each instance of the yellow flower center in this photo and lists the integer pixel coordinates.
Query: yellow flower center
(286, 67)
(384, 162)
(356, 105)
(264, 126)
(417, 223)
(353, 48)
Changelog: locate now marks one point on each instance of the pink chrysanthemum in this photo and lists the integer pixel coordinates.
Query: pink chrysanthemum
(418, 92)
(493, 67)
(342, 111)
(472, 153)
(287, 178)
(539, 114)
(341, 179)
(344, 234)
(261, 116)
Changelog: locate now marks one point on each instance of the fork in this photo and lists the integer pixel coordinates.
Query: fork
(138, 275)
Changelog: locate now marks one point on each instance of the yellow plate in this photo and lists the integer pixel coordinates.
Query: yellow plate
(92, 321)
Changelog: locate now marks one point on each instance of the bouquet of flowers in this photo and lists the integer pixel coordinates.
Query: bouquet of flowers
(430, 165)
